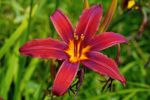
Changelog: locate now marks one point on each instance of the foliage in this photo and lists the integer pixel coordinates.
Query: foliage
(29, 78)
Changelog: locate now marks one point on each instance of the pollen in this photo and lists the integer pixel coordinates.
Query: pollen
(76, 51)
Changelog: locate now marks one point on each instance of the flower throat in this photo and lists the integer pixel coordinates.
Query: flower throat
(76, 49)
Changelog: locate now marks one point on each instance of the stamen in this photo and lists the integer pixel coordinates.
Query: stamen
(81, 42)
(76, 36)
(82, 36)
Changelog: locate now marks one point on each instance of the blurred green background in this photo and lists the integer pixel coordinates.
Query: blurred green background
(26, 78)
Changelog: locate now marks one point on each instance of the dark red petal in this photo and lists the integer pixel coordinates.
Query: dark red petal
(106, 40)
(89, 21)
(62, 25)
(103, 58)
(44, 48)
(64, 77)
(103, 65)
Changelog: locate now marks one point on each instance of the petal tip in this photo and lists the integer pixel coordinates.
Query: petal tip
(21, 50)
(123, 81)
(56, 11)
(55, 92)
(126, 41)
(100, 5)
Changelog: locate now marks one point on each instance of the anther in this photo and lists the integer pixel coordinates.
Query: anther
(82, 36)
(76, 37)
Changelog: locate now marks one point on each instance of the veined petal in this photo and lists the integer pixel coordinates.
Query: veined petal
(62, 25)
(104, 59)
(89, 21)
(64, 77)
(47, 42)
(106, 40)
(103, 65)
(44, 48)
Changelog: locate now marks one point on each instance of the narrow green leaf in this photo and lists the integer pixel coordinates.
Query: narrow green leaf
(6, 82)
(29, 71)
(15, 35)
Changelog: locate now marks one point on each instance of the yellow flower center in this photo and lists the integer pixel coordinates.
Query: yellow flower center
(76, 51)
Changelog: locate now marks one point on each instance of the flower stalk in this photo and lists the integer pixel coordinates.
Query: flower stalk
(108, 17)
(86, 4)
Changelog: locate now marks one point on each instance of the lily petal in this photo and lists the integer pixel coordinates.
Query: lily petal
(103, 65)
(62, 25)
(89, 21)
(64, 77)
(106, 40)
(44, 48)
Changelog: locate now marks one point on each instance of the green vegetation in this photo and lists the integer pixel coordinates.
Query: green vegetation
(29, 78)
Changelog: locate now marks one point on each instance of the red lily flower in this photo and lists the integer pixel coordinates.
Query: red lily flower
(78, 46)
